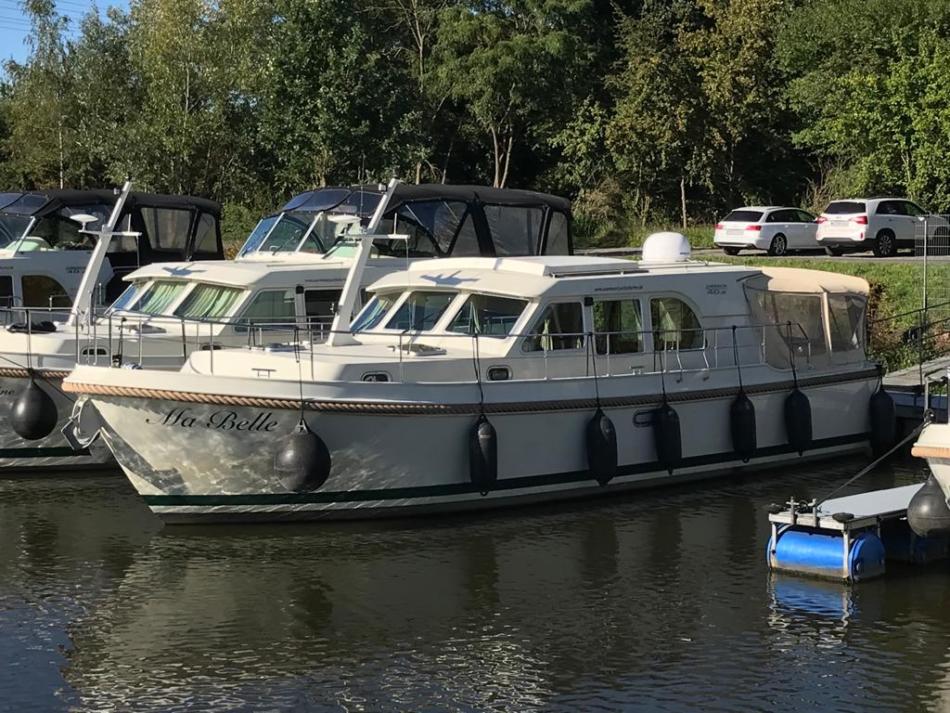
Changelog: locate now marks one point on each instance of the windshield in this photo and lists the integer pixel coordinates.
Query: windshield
(124, 301)
(373, 313)
(487, 315)
(208, 302)
(158, 296)
(283, 233)
(420, 311)
(12, 227)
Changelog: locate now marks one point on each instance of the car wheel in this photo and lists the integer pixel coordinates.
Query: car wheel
(834, 252)
(779, 246)
(731, 251)
(885, 245)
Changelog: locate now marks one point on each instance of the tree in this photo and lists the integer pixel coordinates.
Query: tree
(510, 66)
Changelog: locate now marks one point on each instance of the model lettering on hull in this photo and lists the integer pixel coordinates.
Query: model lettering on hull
(220, 420)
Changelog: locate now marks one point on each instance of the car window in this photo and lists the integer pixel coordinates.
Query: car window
(805, 217)
(845, 207)
(886, 208)
(743, 216)
(913, 209)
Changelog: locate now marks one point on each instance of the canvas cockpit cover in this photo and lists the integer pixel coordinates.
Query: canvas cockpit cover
(171, 227)
(443, 220)
(816, 318)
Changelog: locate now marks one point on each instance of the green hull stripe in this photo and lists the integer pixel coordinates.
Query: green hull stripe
(40, 452)
(429, 491)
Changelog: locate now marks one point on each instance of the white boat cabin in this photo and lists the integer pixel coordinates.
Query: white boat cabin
(563, 317)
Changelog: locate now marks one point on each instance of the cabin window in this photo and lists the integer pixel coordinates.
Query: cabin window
(558, 242)
(208, 302)
(374, 311)
(561, 326)
(321, 305)
(44, 291)
(420, 311)
(6, 291)
(158, 296)
(167, 228)
(618, 327)
(514, 229)
(487, 315)
(271, 306)
(847, 322)
(675, 325)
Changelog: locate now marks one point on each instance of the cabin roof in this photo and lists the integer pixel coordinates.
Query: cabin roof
(532, 276)
(45, 201)
(247, 273)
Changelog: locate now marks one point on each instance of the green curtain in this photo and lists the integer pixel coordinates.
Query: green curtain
(208, 302)
(159, 296)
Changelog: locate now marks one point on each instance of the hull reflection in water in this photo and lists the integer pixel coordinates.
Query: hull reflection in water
(654, 602)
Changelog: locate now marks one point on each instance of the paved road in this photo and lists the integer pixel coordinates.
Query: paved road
(714, 253)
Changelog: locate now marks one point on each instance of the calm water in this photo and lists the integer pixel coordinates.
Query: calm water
(657, 601)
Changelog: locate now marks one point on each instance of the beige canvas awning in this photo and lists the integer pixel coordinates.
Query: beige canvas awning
(796, 280)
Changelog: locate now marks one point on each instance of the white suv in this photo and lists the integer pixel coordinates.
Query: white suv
(775, 229)
(880, 224)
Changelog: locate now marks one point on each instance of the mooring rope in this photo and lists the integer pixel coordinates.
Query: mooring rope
(876, 462)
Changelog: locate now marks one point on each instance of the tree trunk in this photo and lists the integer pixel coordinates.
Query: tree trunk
(495, 150)
(504, 175)
(683, 199)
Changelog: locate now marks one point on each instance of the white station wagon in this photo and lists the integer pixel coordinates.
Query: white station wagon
(775, 229)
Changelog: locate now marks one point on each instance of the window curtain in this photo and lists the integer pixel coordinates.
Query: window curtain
(157, 299)
(208, 302)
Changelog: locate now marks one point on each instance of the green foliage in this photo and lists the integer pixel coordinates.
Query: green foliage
(640, 110)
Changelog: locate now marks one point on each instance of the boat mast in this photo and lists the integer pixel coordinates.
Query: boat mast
(339, 334)
(83, 304)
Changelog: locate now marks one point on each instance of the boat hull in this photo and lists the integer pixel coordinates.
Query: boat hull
(934, 445)
(53, 451)
(209, 462)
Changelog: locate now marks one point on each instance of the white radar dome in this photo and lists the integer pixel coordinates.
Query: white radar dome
(665, 248)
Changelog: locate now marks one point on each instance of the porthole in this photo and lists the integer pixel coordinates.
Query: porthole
(499, 373)
(376, 376)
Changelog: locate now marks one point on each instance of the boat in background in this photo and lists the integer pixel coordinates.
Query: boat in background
(472, 383)
(47, 239)
(284, 285)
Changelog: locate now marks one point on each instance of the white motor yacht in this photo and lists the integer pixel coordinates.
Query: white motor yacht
(476, 383)
(284, 285)
(47, 239)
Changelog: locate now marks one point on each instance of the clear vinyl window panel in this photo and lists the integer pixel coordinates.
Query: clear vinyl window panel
(271, 306)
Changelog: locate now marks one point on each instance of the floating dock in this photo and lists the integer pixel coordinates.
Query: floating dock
(849, 538)
(910, 389)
